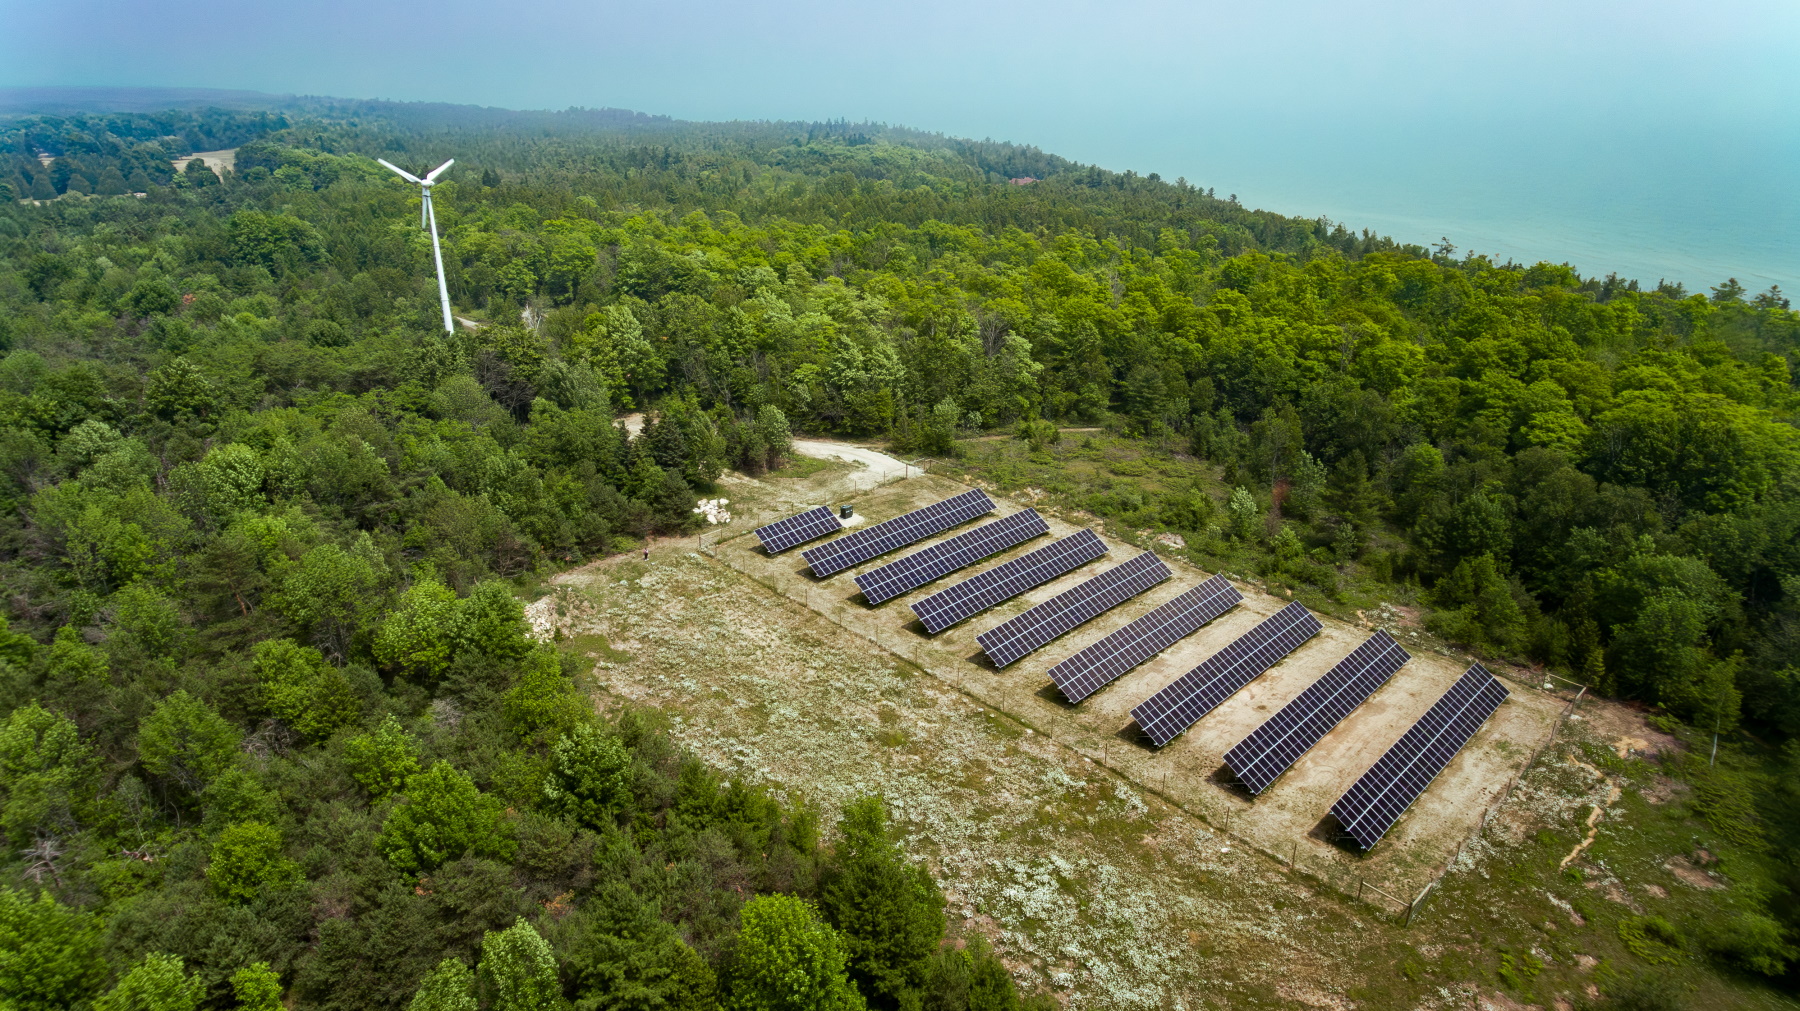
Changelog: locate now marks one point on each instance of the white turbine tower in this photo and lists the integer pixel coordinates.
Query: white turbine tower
(428, 219)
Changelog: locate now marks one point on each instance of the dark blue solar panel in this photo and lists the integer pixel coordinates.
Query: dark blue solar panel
(959, 552)
(856, 548)
(1261, 758)
(1179, 706)
(1082, 674)
(807, 526)
(1007, 580)
(1016, 637)
(1374, 802)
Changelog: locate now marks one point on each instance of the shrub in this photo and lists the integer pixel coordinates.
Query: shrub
(1753, 941)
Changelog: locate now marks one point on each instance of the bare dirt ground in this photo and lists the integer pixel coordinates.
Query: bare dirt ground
(219, 161)
(1057, 836)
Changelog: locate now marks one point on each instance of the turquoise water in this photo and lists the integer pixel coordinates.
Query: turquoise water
(1692, 205)
(1692, 202)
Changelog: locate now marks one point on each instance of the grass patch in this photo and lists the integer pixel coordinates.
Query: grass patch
(799, 468)
(1651, 938)
(593, 643)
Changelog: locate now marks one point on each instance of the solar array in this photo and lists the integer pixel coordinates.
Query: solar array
(1082, 674)
(1179, 706)
(1015, 637)
(1006, 581)
(1258, 760)
(856, 548)
(959, 552)
(1373, 803)
(808, 526)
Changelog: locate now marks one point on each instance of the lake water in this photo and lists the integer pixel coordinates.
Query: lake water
(1688, 203)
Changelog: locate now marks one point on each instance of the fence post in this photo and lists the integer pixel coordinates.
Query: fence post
(1359, 889)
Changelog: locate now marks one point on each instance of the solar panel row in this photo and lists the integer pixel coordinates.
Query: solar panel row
(809, 525)
(1261, 758)
(1006, 581)
(856, 548)
(1374, 802)
(1082, 674)
(1179, 706)
(1014, 638)
(959, 552)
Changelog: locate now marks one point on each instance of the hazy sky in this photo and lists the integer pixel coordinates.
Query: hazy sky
(1641, 137)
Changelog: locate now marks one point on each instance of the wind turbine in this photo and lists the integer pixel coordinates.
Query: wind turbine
(428, 219)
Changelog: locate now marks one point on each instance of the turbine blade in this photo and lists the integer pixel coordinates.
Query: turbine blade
(402, 173)
(439, 171)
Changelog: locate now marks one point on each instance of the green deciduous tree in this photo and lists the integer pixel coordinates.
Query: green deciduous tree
(788, 960)
(184, 740)
(47, 774)
(448, 987)
(1245, 514)
(333, 592)
(415, 641)
(443, 817)
(304, 691)
(491, 624)
(542, 701)
(247, 862)
(518, 971)
(158, 983)
(384, 759)
(49, 954)
(257, 987)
